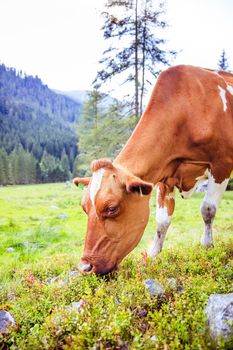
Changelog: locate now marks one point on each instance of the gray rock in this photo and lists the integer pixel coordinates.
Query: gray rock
(219, 312)
(57, 280)
(60, 282)
(54, 207)
(10, 249)
(62, 216)
(154, 288)
(6, 320)
(76, 306)
(153, 338)
(73, 274)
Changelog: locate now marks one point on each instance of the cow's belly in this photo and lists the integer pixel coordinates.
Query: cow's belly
(188, 194)
(189, 177)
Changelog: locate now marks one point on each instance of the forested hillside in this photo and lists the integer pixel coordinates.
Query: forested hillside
(38, 142)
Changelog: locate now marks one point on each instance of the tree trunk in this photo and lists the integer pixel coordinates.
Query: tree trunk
(143, 63)
(136, 63)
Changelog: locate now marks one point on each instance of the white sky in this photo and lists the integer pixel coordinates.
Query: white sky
(61, 41)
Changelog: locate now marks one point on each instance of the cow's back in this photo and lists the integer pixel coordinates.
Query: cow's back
(189, 118)
(200, 107)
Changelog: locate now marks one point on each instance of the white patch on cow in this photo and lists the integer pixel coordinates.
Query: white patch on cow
(163, 221)
(162, 216)
(215, 190)
(230, 89)
(222, 94)
(95, 184)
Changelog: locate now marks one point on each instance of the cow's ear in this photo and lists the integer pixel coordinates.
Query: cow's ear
(81, 180)
(101, 163)
(136, 185)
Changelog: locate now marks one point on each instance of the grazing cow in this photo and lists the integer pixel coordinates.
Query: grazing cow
(184, 136)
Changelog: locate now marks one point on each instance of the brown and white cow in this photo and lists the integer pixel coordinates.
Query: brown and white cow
(184, 136)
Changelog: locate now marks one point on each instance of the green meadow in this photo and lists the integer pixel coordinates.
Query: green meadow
(42, 232)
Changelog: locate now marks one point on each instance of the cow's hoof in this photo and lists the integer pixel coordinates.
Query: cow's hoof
(205, 242)
(153, 251)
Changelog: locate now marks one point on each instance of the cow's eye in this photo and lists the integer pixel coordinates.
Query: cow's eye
(111, 210)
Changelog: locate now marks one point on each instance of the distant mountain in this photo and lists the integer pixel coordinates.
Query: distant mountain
(30, 110)
(81, 96)
(35, 119)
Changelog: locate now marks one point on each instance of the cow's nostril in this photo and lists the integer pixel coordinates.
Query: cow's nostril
(85, 267)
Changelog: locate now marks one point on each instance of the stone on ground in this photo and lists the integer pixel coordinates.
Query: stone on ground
(154, 288)
(219, 311)
(6, 320)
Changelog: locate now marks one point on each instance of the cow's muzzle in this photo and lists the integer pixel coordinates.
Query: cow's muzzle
(85, 267)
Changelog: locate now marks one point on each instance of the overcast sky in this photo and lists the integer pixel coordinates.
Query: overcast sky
(61, 41)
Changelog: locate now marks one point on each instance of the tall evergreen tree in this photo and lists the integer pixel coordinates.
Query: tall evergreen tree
(142, 56)
(30, 164)
(101, 131)
(3, 168)
(20, 167)
(75, 171)
(65, 165)
(90, 120)
(223, 62)
(13, 161)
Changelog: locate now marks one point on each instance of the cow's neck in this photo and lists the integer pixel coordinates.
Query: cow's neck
(147, 154)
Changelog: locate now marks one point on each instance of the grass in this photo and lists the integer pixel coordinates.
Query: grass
(42, 231)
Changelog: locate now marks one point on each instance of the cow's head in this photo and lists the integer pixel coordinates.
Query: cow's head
(117, 205)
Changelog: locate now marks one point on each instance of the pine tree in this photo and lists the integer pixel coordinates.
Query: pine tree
(10, 180)
(65, 165)
(20, 167)
(3, 168)
(13, 164)
(30, 168)
(142, 57)
(76, 172)
(88, 127)
(102, 132)
(47, 165)
(51, 169)
(223, 62)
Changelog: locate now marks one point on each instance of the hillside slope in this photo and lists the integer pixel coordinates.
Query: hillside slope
(37, 130)
(33, 116)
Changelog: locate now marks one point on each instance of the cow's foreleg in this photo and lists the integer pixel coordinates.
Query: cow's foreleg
(209, 206)
(164, 209)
